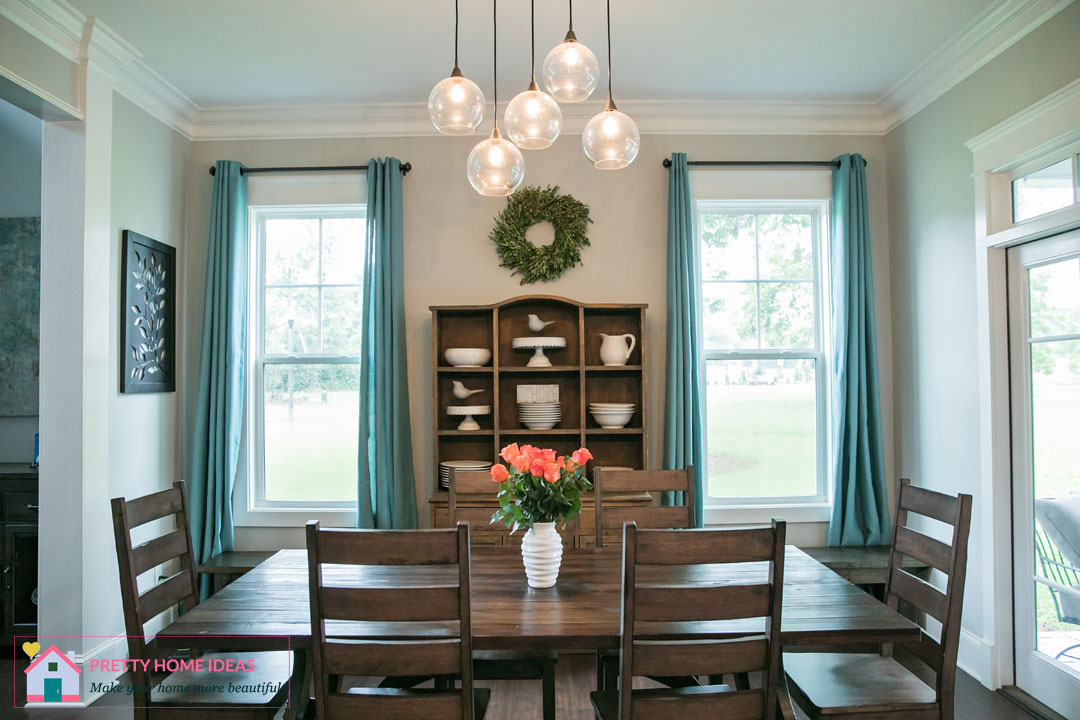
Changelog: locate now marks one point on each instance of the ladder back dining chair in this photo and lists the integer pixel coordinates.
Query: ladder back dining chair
(642, 481)
(914, 681)
(181, 695)
(466, 486)
(658, 591)
(422, 578)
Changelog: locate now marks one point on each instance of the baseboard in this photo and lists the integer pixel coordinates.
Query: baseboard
(106, 650)
(976, 658)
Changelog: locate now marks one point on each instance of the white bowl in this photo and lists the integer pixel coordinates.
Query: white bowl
(467, 357)
(540, 424)
(612, 419)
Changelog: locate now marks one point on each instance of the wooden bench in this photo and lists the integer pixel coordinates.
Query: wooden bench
(228, 566)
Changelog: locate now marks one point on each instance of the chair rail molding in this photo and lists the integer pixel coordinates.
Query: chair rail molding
(61, 26)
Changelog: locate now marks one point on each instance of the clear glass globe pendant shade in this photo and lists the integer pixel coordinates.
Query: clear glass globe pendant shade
(533, 119)
(570, 71)
(456, 105)
(611, 139)
(496, 167)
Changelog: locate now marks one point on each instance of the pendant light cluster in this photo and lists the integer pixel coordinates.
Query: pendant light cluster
(533, 119)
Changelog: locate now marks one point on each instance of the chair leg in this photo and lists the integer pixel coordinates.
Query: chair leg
(549, 691)
(611, 675)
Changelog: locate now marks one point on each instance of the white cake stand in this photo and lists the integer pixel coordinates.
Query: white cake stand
(539, 344)
(466, 412)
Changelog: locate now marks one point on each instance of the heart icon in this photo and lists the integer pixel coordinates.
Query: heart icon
(31, 649)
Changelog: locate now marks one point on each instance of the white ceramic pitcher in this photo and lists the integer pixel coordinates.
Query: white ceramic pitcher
(613, 348)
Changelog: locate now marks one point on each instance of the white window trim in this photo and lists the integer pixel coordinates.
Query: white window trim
(817, 507)
(248, 509)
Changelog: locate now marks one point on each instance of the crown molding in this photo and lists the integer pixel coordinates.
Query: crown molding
(984, 38)
(81, 39)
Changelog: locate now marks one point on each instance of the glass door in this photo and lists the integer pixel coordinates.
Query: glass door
(1044, 337)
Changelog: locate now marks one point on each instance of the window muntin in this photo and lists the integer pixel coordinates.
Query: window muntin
(766, 372)
(1050, 188)
(304, 417)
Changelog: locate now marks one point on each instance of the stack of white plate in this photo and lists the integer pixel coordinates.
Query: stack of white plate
(539, 416)
(460, 465)
(612, 415)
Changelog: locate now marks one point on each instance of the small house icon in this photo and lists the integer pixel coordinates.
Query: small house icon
(53, 677)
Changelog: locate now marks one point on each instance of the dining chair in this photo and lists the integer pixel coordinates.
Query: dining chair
(611, 519)
(421, 579)
(642, 481)
(659, 598)
(180, 695)
(914, 681)
(466, 486)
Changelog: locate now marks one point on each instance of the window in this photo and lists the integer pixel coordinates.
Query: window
(766, 372)
(307, 272)
(53, 667)
(1045, 190)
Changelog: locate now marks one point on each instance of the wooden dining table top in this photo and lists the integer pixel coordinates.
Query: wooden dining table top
(581, 612)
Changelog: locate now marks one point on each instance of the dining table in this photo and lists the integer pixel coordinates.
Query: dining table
(268, 607)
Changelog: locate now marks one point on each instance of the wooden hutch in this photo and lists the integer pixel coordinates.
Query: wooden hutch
(576, 369)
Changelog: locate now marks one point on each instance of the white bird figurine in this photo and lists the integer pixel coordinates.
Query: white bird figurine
(461, 392)
(537, 325)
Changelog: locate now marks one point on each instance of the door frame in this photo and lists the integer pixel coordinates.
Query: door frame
(1049, 250)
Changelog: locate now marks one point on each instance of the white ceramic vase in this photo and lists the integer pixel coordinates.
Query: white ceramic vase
(541, 549)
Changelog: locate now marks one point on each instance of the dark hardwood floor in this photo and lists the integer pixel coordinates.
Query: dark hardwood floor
(519, 700)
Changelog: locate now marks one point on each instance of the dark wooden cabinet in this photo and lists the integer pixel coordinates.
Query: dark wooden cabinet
(18, 551)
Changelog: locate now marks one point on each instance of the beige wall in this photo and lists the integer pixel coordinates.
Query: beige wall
(932, 227)
(449, 259)
(35, 66)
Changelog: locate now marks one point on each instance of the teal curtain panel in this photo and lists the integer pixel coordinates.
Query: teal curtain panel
(387, 496)
(860, 513)
(684, 406)
(219, 409)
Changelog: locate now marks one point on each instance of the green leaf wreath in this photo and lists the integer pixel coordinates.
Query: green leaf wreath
(531, 205)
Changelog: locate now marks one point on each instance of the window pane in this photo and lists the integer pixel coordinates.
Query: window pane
(787, 315)
(730, 315)
(311, 416)
(292, 321)
(785, 247)
(1043, 190)
(1055, 298)
(292, 251)
(343, 250)
(341, 320)
(727, 247)
(762, 428)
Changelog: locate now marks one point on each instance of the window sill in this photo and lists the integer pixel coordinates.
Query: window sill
(760, 514)
(294, 517)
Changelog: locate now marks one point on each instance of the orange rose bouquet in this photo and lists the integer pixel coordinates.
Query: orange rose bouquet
(536, 486)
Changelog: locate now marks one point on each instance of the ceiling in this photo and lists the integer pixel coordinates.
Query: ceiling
(281, 52)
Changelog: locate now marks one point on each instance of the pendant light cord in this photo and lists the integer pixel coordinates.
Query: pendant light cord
(532, 34)
(495, 57)
(609, 50)
(571, 2)
(455, 33)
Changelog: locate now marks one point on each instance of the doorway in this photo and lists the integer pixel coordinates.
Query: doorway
(1044, 348)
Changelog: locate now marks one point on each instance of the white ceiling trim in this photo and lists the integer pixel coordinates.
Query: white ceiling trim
(61, 27)
(984, 38)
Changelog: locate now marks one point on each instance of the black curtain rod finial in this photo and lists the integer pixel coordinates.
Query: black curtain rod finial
(406, 168)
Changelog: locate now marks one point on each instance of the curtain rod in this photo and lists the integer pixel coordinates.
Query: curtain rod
(405, 168)
(765, 163)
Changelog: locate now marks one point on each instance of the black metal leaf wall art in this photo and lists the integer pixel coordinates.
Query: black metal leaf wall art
(149, 328)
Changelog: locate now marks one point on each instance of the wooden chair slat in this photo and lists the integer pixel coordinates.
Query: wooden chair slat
(375, 547)
(153, 507)
(165, 595)
(928, 650)
(479, 519)
(919, 593)
(672, 516)
(924, 548)
(680, 604)
(637, 481)
(930, 503)
(671, 705)
(391, 604)
(704, 546)
(393, 704)
(159, 550)
(699, 657)
(392, 658)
